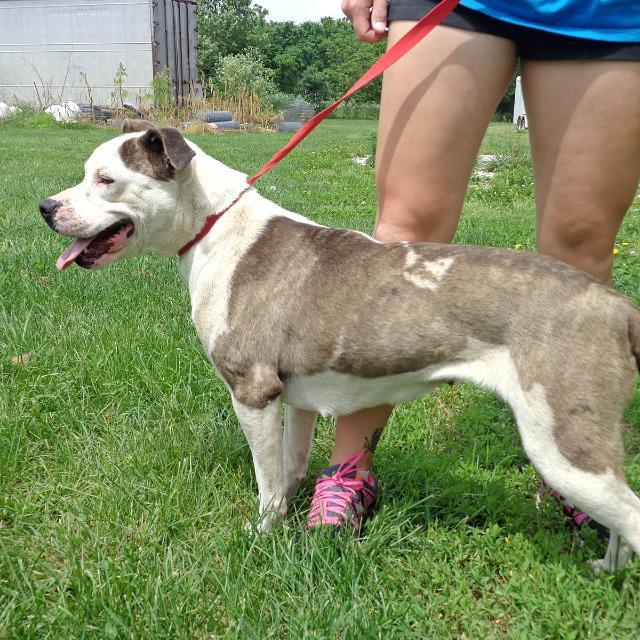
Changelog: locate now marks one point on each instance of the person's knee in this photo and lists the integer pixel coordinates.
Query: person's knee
(583, 243)
(573, 235)
(412, 219)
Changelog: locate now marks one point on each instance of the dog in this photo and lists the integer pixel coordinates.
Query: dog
(331, 321)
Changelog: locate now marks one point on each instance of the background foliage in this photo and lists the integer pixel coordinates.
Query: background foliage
(316, 60)
(227, 27)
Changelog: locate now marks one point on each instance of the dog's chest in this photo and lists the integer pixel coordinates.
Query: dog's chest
(209, 306)
(333, 393)
(210, 277)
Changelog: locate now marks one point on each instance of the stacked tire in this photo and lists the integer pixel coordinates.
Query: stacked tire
(94, 112)
(221, 120)
(297, 113)
(289, 127)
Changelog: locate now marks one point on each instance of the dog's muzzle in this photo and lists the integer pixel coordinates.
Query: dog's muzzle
(48, 207)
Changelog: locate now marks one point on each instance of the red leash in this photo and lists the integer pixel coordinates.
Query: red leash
(421, 29)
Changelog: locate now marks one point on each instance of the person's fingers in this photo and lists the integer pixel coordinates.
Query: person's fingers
(349, 7)
(359, 12)
(379, 16)
(361, 20)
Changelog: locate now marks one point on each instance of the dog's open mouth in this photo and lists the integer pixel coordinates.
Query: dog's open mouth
(98, 249)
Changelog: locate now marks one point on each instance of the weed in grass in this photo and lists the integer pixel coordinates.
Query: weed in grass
(125, 481)
(505, 176)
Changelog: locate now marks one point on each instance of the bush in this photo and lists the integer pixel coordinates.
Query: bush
(280, 101)
(357, 111)
(245, 73)
(162, 91)
(245, 87)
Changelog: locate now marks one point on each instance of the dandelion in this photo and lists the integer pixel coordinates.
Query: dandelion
(624, 244)
(518, 246)
(616, 251)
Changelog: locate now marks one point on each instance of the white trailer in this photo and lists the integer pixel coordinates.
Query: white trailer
(57, 47)
(519, 110)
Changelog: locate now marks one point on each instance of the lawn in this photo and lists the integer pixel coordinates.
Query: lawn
(125, 481)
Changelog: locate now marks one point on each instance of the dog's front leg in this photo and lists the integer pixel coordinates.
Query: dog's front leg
(264, 435)
(299, 425)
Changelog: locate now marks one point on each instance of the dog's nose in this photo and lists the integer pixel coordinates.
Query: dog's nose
(48, 207)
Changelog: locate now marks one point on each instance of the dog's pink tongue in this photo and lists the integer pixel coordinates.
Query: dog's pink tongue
(72, 252)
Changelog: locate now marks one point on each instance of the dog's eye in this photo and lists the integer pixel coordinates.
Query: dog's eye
(103, 180)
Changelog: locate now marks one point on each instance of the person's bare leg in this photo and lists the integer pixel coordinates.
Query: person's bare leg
(584, 123)
(436, 104)
(359, 431)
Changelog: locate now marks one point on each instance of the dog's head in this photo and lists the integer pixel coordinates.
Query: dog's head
(127, 200)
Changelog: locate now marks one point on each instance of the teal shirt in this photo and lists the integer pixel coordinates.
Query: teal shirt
(610, 20)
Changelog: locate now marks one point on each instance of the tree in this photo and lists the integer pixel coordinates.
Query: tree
(228, 27)
(319, 60)
(316, 60)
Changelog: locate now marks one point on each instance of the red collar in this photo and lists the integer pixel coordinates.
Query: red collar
(210, 221)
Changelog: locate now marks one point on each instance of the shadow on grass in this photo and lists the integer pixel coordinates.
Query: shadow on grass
(474, 478)
(466, 474)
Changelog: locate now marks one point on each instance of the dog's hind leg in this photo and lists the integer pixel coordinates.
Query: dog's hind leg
(606, 498)
(262, 428)
(617, 555)
(586, 469)
(299, 426)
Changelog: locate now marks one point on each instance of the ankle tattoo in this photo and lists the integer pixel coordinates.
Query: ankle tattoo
(370, 444)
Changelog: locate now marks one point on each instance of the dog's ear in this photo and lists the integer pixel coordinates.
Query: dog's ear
(169, 142)
(132, 126)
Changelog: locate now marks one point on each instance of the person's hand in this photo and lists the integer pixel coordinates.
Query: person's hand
(369, 18)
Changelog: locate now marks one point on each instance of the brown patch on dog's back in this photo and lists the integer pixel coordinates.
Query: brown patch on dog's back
(306, 299)
(306, 286)
(333, 299)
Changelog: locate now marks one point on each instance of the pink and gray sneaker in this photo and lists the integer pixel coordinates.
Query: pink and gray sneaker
(344, 495)
(577, 517)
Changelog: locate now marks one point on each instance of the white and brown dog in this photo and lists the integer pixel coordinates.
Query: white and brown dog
(330, 321)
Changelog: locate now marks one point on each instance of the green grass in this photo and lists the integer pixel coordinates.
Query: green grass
(125, 481)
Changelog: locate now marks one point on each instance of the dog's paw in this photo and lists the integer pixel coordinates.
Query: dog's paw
(256, 528)
(617, 556)
(292, 486)
(268, 519)
(265, 525)
(605, 565)
(601, 566)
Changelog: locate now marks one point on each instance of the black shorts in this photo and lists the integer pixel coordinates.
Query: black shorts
(531, 44)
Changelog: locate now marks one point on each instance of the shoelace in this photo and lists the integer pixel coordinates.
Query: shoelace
(325, 488)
